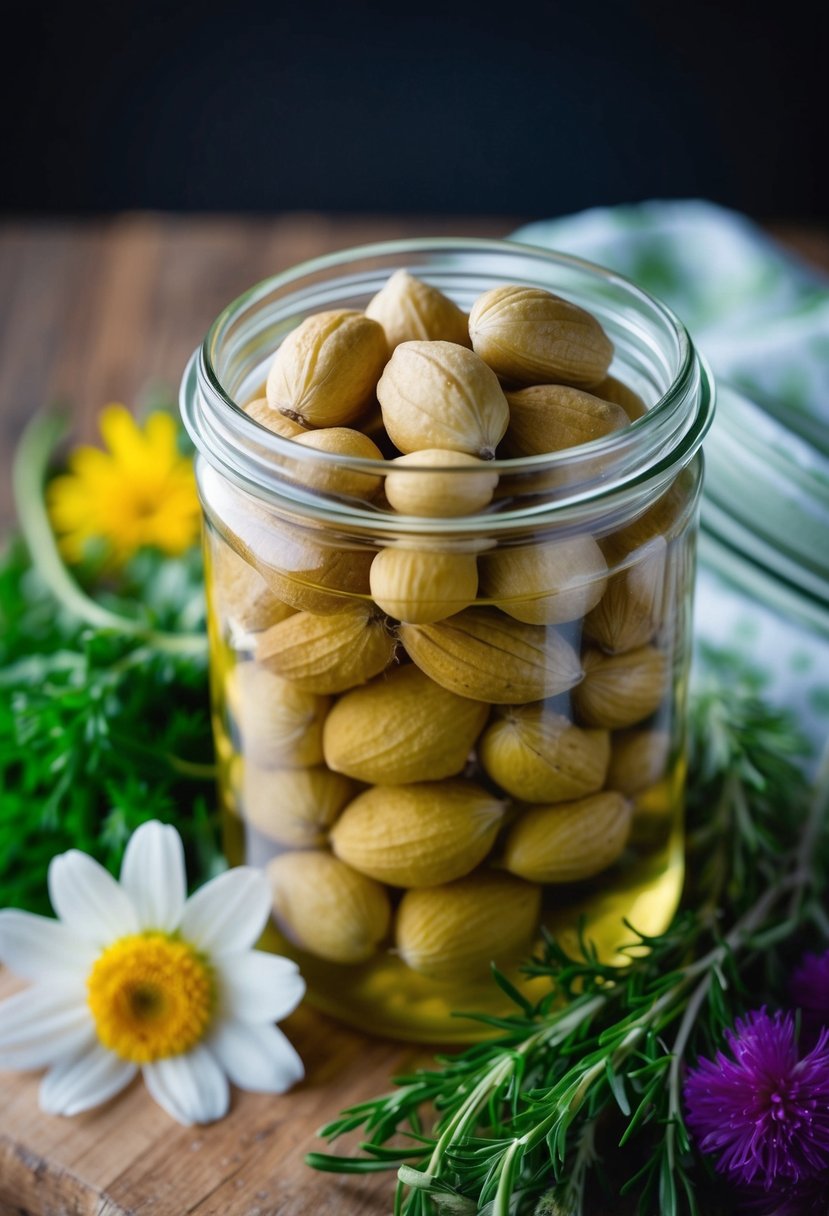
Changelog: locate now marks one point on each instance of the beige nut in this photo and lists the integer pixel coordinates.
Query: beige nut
(530, 336)
(411, 310)
(570, 841)
(326, 370)
(325, 907)
(242, 597)
(638, 759)
(400, 728)
(611, 389)
(540, 756)
(303, 567)
(630, 611)
(552, 417)
(438, 482)
(484, 655)
(280, 725)
(270, 418)
(666, 517)
(418, 835)
(295, 807)
(421, 586)
(546, 583)
(621, 689)
(441, 395)
(336, 478)
(454, 932)
(328, 654)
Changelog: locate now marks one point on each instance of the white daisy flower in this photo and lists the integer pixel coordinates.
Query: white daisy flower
(132, 976)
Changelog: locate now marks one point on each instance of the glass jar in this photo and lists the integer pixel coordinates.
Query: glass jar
(495, 746)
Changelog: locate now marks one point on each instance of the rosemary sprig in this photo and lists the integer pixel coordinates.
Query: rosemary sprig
(596, 1065)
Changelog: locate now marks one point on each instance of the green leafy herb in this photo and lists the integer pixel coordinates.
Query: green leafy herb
(104, 713)
(586, 1083)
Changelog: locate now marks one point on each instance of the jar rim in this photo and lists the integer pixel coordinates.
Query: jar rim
(650, 450)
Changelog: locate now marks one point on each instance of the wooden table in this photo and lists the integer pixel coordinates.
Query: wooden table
(92, 312)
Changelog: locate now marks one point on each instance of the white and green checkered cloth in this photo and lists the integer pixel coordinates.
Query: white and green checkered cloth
(761, 318)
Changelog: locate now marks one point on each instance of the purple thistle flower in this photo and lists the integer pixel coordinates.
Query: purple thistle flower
(810, 991)
(764, 1114)
(810, 1199)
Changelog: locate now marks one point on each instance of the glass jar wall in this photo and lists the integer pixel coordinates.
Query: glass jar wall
(440, 730)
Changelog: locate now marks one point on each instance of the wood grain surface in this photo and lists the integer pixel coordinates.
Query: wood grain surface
(97, 311)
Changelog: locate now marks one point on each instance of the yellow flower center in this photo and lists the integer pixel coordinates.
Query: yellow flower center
(151, 996)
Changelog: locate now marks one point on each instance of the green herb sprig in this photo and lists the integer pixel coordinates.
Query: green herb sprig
(587, 1082)
(104, 712)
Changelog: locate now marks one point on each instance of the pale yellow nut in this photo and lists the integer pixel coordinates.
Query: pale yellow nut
(319, 578)
(570, 841)
(441, 395)
(304, 568)
(611, 389)
(630, 611)
(667, 517)
(325, 907)
(263, 413)
(638, 759)
(546, 583)
(621, 689)
(242, 597)
(530, 336)
(418, 835)
(427, 483)
(307, 567)
(326, 370)
(540, 756)
(486, 656)
(280, 725)
(420, 585)
(330, 478)
(454, 932)
(295, 807)
(553, 417)
(328, 654)
(402, 727)
(409, 310)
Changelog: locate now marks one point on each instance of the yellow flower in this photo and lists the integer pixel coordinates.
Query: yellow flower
(139, 492)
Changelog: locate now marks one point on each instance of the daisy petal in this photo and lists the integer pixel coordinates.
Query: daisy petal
(191, 1088)
(84, 1080)
(259, 1058)
(40, 1025)
(259, 987)
(153, 875)
(228, 913)
(37, 947)
(88, 898)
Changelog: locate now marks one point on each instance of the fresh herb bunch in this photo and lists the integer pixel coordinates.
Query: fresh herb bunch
(580, 1094)
(104, 714)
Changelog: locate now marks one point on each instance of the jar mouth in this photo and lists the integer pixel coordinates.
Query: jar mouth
(635, 461)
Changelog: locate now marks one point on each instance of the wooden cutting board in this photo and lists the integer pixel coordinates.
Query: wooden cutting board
(128, 1158)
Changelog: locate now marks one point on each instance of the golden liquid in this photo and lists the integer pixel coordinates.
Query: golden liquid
(385, 996)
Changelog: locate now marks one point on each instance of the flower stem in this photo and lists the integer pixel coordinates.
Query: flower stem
(31, 462)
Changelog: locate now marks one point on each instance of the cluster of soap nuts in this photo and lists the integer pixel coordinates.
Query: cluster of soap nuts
(423, 765)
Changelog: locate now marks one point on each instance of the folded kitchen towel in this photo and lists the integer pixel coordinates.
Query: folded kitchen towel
(761, 318)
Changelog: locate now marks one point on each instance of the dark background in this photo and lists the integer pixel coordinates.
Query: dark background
(522, 109)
